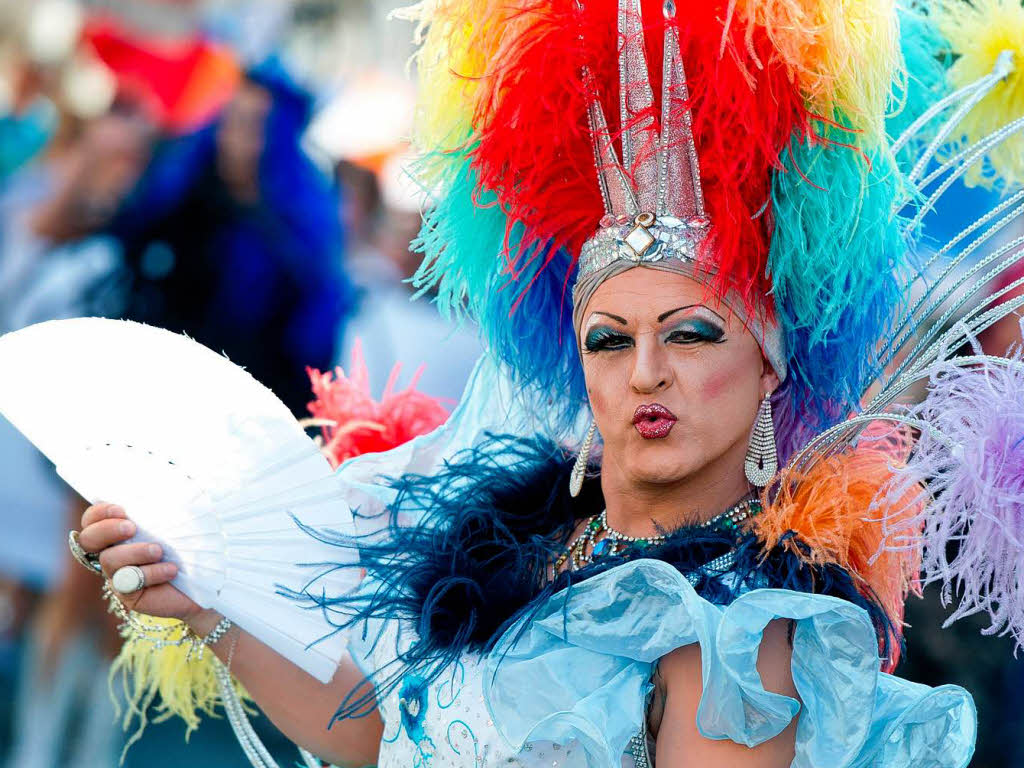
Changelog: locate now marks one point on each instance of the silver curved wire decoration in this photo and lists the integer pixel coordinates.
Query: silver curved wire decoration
(1003, 66)
(846, 431)
(922, 308)
(973, 288)
(986, 83)
(965, 330)
(813, 452)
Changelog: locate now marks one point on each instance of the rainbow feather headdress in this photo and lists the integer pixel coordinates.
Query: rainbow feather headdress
(791, 148)
(794, 151)
(765, 162)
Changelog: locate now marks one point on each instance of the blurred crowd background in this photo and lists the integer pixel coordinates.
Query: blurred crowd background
(235, 169)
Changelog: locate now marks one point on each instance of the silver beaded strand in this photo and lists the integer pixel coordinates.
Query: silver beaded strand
(599, 539)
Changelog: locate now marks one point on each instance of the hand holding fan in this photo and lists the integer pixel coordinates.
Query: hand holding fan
(205, 460)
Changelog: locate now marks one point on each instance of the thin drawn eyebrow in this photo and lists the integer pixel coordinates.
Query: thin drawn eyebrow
(613, 317)
(665, 315)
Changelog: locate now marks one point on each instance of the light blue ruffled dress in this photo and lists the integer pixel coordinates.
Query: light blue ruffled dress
(568, 687)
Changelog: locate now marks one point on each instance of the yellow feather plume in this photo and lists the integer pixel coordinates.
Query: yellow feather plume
(844, 56)
(978, 32)
(458, 40)
(184, 680)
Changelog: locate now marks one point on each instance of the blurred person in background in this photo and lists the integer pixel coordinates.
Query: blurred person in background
(389, 323)
(55, 264)
(1005, 335)
(233, 237)
(55, 261)
(361, 211)
(28, 119)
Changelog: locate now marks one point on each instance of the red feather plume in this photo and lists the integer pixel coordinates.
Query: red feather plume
(533, 145)
(353, 423)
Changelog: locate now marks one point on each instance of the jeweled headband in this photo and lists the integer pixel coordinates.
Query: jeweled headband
(655, 216)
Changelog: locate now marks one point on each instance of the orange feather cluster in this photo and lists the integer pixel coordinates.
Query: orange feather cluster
(836, 512)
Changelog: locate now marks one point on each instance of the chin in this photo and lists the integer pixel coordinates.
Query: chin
(659, 462)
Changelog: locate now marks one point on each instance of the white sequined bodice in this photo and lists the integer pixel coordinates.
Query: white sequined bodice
(446, 724)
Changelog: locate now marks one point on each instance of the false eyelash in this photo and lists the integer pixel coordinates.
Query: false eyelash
(698, 337)
(701, 331)
(601, 338)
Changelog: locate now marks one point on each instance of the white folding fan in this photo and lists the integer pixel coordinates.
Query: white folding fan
(204, 459)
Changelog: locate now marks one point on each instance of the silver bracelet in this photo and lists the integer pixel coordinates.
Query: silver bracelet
(218, 632)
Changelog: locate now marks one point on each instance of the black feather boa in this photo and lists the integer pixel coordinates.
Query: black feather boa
(489, 524)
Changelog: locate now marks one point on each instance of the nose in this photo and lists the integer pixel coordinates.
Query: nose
(651, 371)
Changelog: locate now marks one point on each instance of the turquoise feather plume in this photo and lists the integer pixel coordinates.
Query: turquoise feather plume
(837, 262)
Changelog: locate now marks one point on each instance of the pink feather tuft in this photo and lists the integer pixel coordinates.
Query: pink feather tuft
(973, 466)
(359, 424)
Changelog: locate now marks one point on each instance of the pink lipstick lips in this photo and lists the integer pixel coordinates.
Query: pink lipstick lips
(653, 421)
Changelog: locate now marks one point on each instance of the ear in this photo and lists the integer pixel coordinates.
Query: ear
(769, 378)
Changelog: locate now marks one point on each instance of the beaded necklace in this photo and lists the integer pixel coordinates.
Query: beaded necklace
(599, 540)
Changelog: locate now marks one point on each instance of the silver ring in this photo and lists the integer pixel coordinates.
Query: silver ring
(85, 559)
(128, 579)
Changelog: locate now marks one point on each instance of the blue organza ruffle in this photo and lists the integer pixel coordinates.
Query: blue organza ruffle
(580, 667)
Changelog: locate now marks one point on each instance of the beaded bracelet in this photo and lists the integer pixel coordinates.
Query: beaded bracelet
(162, 636)
(218, 632)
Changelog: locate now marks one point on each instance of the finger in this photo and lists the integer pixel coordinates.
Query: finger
(102, 511)
(121, 555)
(105, 533)
(157, 574)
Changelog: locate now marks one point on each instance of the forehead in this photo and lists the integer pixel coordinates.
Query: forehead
(641, 293)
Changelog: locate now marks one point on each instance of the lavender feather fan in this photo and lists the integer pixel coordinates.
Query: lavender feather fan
(973, 534)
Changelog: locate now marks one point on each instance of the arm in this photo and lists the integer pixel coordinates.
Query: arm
(674, 712)
(299, 705)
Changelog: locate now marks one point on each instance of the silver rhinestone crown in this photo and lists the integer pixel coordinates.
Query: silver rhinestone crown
(654, 204)
(641, 239)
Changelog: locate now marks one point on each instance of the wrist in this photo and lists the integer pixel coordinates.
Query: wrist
(203, 621)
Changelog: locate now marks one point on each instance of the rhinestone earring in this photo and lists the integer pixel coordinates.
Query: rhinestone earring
(579, 469)
(762, 460)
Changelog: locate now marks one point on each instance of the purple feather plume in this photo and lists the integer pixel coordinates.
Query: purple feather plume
(794, 425)
(973, 535)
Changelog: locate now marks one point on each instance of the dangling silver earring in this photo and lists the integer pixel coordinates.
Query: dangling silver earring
(762, 455)
(579, 469)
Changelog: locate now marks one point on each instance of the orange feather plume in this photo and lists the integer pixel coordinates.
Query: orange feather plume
(837, 512)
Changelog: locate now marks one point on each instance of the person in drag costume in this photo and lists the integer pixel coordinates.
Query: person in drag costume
(690, 235)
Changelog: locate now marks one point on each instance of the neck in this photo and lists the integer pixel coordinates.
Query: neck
(642, 508)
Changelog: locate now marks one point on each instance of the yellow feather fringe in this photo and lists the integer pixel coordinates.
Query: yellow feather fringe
(169, 679)
(978, 32)
(845, 56)
(458, 41)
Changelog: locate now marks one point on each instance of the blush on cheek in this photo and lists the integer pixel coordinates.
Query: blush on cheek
(606, 385)
(723, 377)
(597, 400)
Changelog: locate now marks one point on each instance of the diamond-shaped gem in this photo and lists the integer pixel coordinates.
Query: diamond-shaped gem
(601, 548)
(639, 239)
